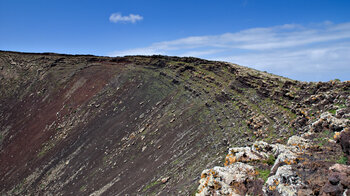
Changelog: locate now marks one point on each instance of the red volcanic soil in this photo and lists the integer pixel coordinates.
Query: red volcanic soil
(31, 116)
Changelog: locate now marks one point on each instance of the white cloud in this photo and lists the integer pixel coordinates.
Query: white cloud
(136, 51)
(312, 52)
(118, 17)
(308, 64)
(200, 53)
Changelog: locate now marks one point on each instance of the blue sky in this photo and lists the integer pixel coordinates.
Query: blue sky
(307, 40)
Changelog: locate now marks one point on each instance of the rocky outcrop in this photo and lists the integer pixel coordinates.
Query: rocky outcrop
(235, 179)
(343, 138)
(327, 120)
(284, 182)
(338, 180)
(289, 169)
(242, 169)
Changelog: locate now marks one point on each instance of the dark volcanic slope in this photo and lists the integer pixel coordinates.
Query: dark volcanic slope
(80, 125)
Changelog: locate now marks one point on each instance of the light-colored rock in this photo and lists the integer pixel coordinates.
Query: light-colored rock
(258, 151)
(221, 180)
(299, 142)
(340, 168)
(285, 182)
(143, 148)
(334, 123)
(284, 158)
(262, 148)
(231, 178)
(243, 154)
(165, 180)
(280, 149)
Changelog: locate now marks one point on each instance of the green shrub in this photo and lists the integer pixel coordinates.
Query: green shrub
(270, 160)
(342, 160)
(152, 184)
(332, 111)
(263, 174)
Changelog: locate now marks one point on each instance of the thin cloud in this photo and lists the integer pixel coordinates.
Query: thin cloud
(312, 52)
(200, 53)
(119, 18)
(137, 51)
(284, 36)
(319, 63)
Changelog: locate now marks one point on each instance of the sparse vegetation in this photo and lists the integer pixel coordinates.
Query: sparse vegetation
(321, 141)
(150, 185)
(46, 148)
(42, 186)
(342, 160)
(332, 111)
(263, 174)
(18, 189)
(270, 161)
(83, 188)
(340, 106)
(105, 160)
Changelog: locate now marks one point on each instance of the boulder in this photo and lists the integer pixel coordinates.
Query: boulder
(338, 180)
(327, 120)
(343, 138)
(284, 182)
(235, 179)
